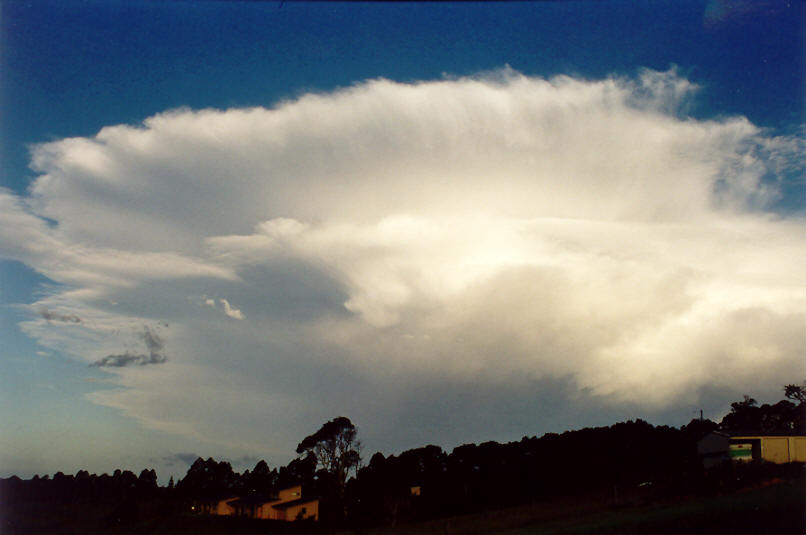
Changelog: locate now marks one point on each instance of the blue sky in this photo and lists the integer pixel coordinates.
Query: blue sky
(450, 222)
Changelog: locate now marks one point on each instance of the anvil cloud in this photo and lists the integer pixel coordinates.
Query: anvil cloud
(464, 231)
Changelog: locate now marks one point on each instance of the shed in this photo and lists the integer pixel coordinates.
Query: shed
(719, 446)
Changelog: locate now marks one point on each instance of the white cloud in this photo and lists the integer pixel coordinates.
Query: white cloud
(230, 311)
(490, 229)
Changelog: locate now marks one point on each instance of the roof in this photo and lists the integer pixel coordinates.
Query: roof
(758, 434)
(755, 433)
(765, 435)
(714, 443)
(717, 432)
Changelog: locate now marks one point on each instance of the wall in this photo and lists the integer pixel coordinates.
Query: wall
(779, 449)
(311, 510)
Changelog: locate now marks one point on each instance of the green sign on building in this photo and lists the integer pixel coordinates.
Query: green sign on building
(741, 452)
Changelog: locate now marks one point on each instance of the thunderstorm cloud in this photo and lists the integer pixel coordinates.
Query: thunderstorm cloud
(485, 234)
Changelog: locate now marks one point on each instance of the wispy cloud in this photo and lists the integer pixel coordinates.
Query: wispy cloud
(723, 12)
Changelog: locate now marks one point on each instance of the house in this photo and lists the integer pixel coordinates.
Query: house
(300, 508)
(220, 505)
(719, 446)
(713, 448)
(287, 504)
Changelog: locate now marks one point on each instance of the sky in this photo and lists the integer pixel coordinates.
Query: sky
(225, 223)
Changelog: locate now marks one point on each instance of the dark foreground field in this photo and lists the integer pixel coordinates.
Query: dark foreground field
(777, 508)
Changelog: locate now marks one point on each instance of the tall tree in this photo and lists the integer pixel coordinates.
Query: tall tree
(336, 448)
(262, 479)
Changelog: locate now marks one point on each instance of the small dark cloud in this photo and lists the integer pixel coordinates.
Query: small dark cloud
(246, 460)
(720, 13)
(154, 345)
(54, 316)
(184, 458)
(152, 340)
(129, 359)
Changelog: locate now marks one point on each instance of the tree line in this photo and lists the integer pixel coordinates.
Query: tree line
(632, 456)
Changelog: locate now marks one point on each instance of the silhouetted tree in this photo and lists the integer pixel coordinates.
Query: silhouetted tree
(208, 477)
(336, 449)
(147, 483)
(696, 428)
(261, 479)
(796, 392)
(298, 472)
(743, 415)
(781, 417)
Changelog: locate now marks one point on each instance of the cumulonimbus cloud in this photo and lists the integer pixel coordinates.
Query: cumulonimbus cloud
(490, 227)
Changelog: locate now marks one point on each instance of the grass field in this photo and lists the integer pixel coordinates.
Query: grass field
(775, 509)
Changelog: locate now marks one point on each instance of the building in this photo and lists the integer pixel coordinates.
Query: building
(777, 449)
(713, 448)
(288, 504)
(216, 506)
(719, 446)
